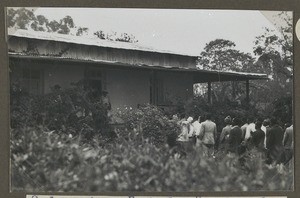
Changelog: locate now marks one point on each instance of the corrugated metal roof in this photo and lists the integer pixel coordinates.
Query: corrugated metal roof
(232, 74)
(88, 41)
(120, 45)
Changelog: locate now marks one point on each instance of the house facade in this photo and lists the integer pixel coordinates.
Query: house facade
(131, 74)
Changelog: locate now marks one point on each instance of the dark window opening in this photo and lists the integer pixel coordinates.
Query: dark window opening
(32, 80)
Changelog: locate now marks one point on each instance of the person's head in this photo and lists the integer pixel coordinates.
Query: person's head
(273, 121)
(251, 119)
(245, 120)
(236, 122)
(190, 119)
(175, 117)
(227, 120)
(259, 119)
(258, 124)
(286, 125)
(208, 116)
(201, 119)
(266, 122)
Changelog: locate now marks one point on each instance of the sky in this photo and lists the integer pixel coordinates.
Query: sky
(177, 30)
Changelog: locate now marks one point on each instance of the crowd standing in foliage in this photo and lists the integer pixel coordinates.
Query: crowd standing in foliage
(239, 137)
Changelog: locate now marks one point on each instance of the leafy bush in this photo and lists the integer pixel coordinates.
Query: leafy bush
(73, 110)
(150, 123)
(43, 161)
(283, 109)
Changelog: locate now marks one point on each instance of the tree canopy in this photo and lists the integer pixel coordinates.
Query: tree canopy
(275, 49)
(220, 54)
(24, 18)
(273, 55)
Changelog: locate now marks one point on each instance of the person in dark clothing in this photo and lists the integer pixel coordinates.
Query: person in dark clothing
(235, 136)
(258, 137)
(223, 141)
(274, 142)
(288, 143)
(266, 128)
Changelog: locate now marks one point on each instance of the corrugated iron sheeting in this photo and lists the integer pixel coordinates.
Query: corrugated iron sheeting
(203, 75)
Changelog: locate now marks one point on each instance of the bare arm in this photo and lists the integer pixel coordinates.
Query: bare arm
(285, 137)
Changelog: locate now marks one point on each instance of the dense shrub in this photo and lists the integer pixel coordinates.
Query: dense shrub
(73, 110)
(150, 123)
(44, 161)
(283, 109)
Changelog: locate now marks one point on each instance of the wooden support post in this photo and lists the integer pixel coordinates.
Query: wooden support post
(233, 89)
(209, 92)
(153, 88)
(247, 93)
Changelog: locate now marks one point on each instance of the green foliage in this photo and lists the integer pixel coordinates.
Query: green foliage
(81, 31)
(221, 55)
(44, 161)
(23, 18)
(283, 109)
(100, 34)
(113, 36)
(20, 17)
(275, 50)
(72, 110)
(150, 123)
(124, 37)
(275, 58)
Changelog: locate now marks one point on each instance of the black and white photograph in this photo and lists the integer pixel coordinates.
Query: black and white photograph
(150, 100)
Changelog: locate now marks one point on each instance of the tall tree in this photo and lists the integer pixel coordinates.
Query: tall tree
(221, 55)
(66, 24)
(19, 18)
(23, 18)
(274, 50)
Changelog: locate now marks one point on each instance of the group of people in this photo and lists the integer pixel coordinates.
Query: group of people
(238, 136)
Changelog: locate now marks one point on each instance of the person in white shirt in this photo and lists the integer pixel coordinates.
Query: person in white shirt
(190, 127)
(250, 128)
(265, 127)
(186, 134)
(244, 127)
(197, 126)
(208, 133)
